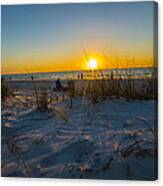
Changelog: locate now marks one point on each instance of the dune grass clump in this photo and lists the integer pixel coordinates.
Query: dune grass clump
(116, 87)
(92, 92)
(42, 99)
(138, 142)
(100, 89)
(138, 89)
(128, 86)
(71, 91)
(12, 143)
(152, 87)
(5, 91)
(103, 86)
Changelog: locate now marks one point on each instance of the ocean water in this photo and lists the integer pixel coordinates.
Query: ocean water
(136, 72)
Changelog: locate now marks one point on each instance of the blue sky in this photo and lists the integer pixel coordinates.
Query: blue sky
(57, 31)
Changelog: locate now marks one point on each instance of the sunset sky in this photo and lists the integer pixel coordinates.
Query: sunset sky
(43, 38)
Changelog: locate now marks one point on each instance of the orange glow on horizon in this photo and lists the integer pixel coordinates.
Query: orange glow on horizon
(96, 61)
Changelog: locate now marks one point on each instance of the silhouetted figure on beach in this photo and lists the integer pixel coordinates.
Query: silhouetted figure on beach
(111, 76)
(58, 85)
(81, 75)
(32, 78)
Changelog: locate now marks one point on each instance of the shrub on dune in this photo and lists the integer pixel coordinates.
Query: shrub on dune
(5, 92)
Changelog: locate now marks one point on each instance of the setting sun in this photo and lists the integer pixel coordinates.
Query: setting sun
(92, 64)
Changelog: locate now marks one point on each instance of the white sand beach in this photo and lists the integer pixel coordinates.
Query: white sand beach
(85, 141)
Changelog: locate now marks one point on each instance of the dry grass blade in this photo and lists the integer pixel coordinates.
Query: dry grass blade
(146, 123)
(58, 112)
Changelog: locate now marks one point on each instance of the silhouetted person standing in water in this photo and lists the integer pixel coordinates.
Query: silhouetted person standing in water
(32, 78)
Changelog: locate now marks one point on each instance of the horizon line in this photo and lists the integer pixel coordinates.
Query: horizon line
(28, 73)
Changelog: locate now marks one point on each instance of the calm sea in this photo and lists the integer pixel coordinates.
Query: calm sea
(137, 72)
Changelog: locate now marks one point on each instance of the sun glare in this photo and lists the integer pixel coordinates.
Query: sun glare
(92, 64)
